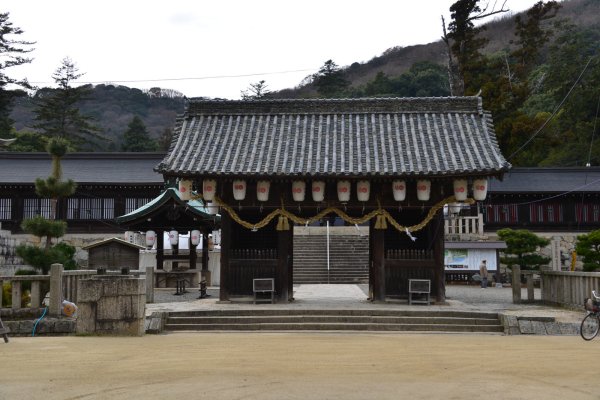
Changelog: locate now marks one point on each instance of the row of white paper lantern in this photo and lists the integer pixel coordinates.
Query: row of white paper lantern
(195, 237)
(363, 190)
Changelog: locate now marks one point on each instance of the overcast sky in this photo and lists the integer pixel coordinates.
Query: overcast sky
(216, 48)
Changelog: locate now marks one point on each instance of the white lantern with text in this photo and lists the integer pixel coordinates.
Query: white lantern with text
(209, 189)
(399, 189)
(343, 191)
(460, 189)
(239, 189)
(318, 191)
(423, 189)
(262, 190)
(363, 190)
(212, 208)
(298, 190)
(185, 189)
(150, 238)
(195, 237)
(173, 238)
(480, 189)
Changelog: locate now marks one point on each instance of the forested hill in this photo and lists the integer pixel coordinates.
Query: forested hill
(113, 108)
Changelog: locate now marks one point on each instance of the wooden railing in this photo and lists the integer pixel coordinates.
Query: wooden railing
(464, 226)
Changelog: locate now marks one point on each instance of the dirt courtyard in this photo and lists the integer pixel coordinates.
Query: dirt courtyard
(300, 366)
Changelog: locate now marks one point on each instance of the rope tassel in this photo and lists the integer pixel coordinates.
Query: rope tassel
(283, 224)
(381, 222)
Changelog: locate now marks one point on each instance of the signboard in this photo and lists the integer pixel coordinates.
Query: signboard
(469, 259)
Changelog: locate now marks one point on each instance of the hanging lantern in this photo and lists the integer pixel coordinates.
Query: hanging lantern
(211, 208)
(363, 190)
(173, 238)
(150, 238)
(423, 189)
(262, 190)
(318, 190)
(399, 188)
(460, 189)
(185, 189)
(298, 190)
(129, 236)
(480, 189)
(454, 208)
(343, 191)
(195, 237)
(209, 188)
(239, 189)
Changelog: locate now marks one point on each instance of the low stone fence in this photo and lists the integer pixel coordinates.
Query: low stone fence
(568, 288)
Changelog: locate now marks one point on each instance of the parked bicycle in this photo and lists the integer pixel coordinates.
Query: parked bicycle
(591, 322)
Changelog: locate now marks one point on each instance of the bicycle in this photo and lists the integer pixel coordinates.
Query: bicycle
(591, 322)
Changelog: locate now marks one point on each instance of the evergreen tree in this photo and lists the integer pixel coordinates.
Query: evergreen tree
(136, 138)
(53, 187)
(164, 142)
(588, 246)
(256, 90)
(57, 113)
(330, 80)
(522, 248)
(13, 54)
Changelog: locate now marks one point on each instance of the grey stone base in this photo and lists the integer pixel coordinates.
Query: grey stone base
(47, 326)
(514, 325)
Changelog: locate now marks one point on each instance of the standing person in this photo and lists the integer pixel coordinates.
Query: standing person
(483, 272)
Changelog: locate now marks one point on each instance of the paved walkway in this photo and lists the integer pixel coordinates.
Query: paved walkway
(458, 298)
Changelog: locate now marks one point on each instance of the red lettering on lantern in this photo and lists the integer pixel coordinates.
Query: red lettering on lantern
(239, 187)
(183, 189)
(422, 187)
(262, 190)
(343, 189)
(317, 189)
(399, 187)
(208, 189)
(362, 189)
(480, 187)
(297, 190)
(460, 189)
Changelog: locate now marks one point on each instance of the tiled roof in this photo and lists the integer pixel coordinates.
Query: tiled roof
(83, 168)
(548, 180)
(353, 137)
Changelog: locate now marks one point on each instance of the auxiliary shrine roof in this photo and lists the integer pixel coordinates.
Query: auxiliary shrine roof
(331, 138)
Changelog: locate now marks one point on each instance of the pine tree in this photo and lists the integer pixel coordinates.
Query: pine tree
(136, 137)
(57, 113)
(12, 52)
(330, 80)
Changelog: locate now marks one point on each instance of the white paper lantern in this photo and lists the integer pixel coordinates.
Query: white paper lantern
(262, 190)
(454, 208)
(173, 238)
(185, 189)
(195, 236)
(211, 208)
(460, 189)
(423, 189)
(150, 238)
(298, 190)
(399, 189)
(363, 190)
(209, 188)
(239, 189)
(318, 190)
(343, 191)
(480, 189)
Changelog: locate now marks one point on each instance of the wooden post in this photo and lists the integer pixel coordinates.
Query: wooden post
(225, 250)
(56, 289)
(378, 262)
(284, 264)
(516, 284)
(438, 256)
(160, 249)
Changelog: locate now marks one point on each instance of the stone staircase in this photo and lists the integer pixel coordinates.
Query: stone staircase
(333, 320)
(348, 263)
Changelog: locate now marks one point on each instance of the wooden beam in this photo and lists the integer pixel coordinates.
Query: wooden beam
(377, 262)
(437, 233)
(284, 264)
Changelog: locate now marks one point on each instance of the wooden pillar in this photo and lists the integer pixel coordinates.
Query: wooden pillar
(160, 249)
(284, 264)
(225, 250)
(438, 256)
(377, 262)
(205, 251)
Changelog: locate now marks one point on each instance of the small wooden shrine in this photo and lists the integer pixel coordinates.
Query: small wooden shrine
(173, 212)
(390, 163)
